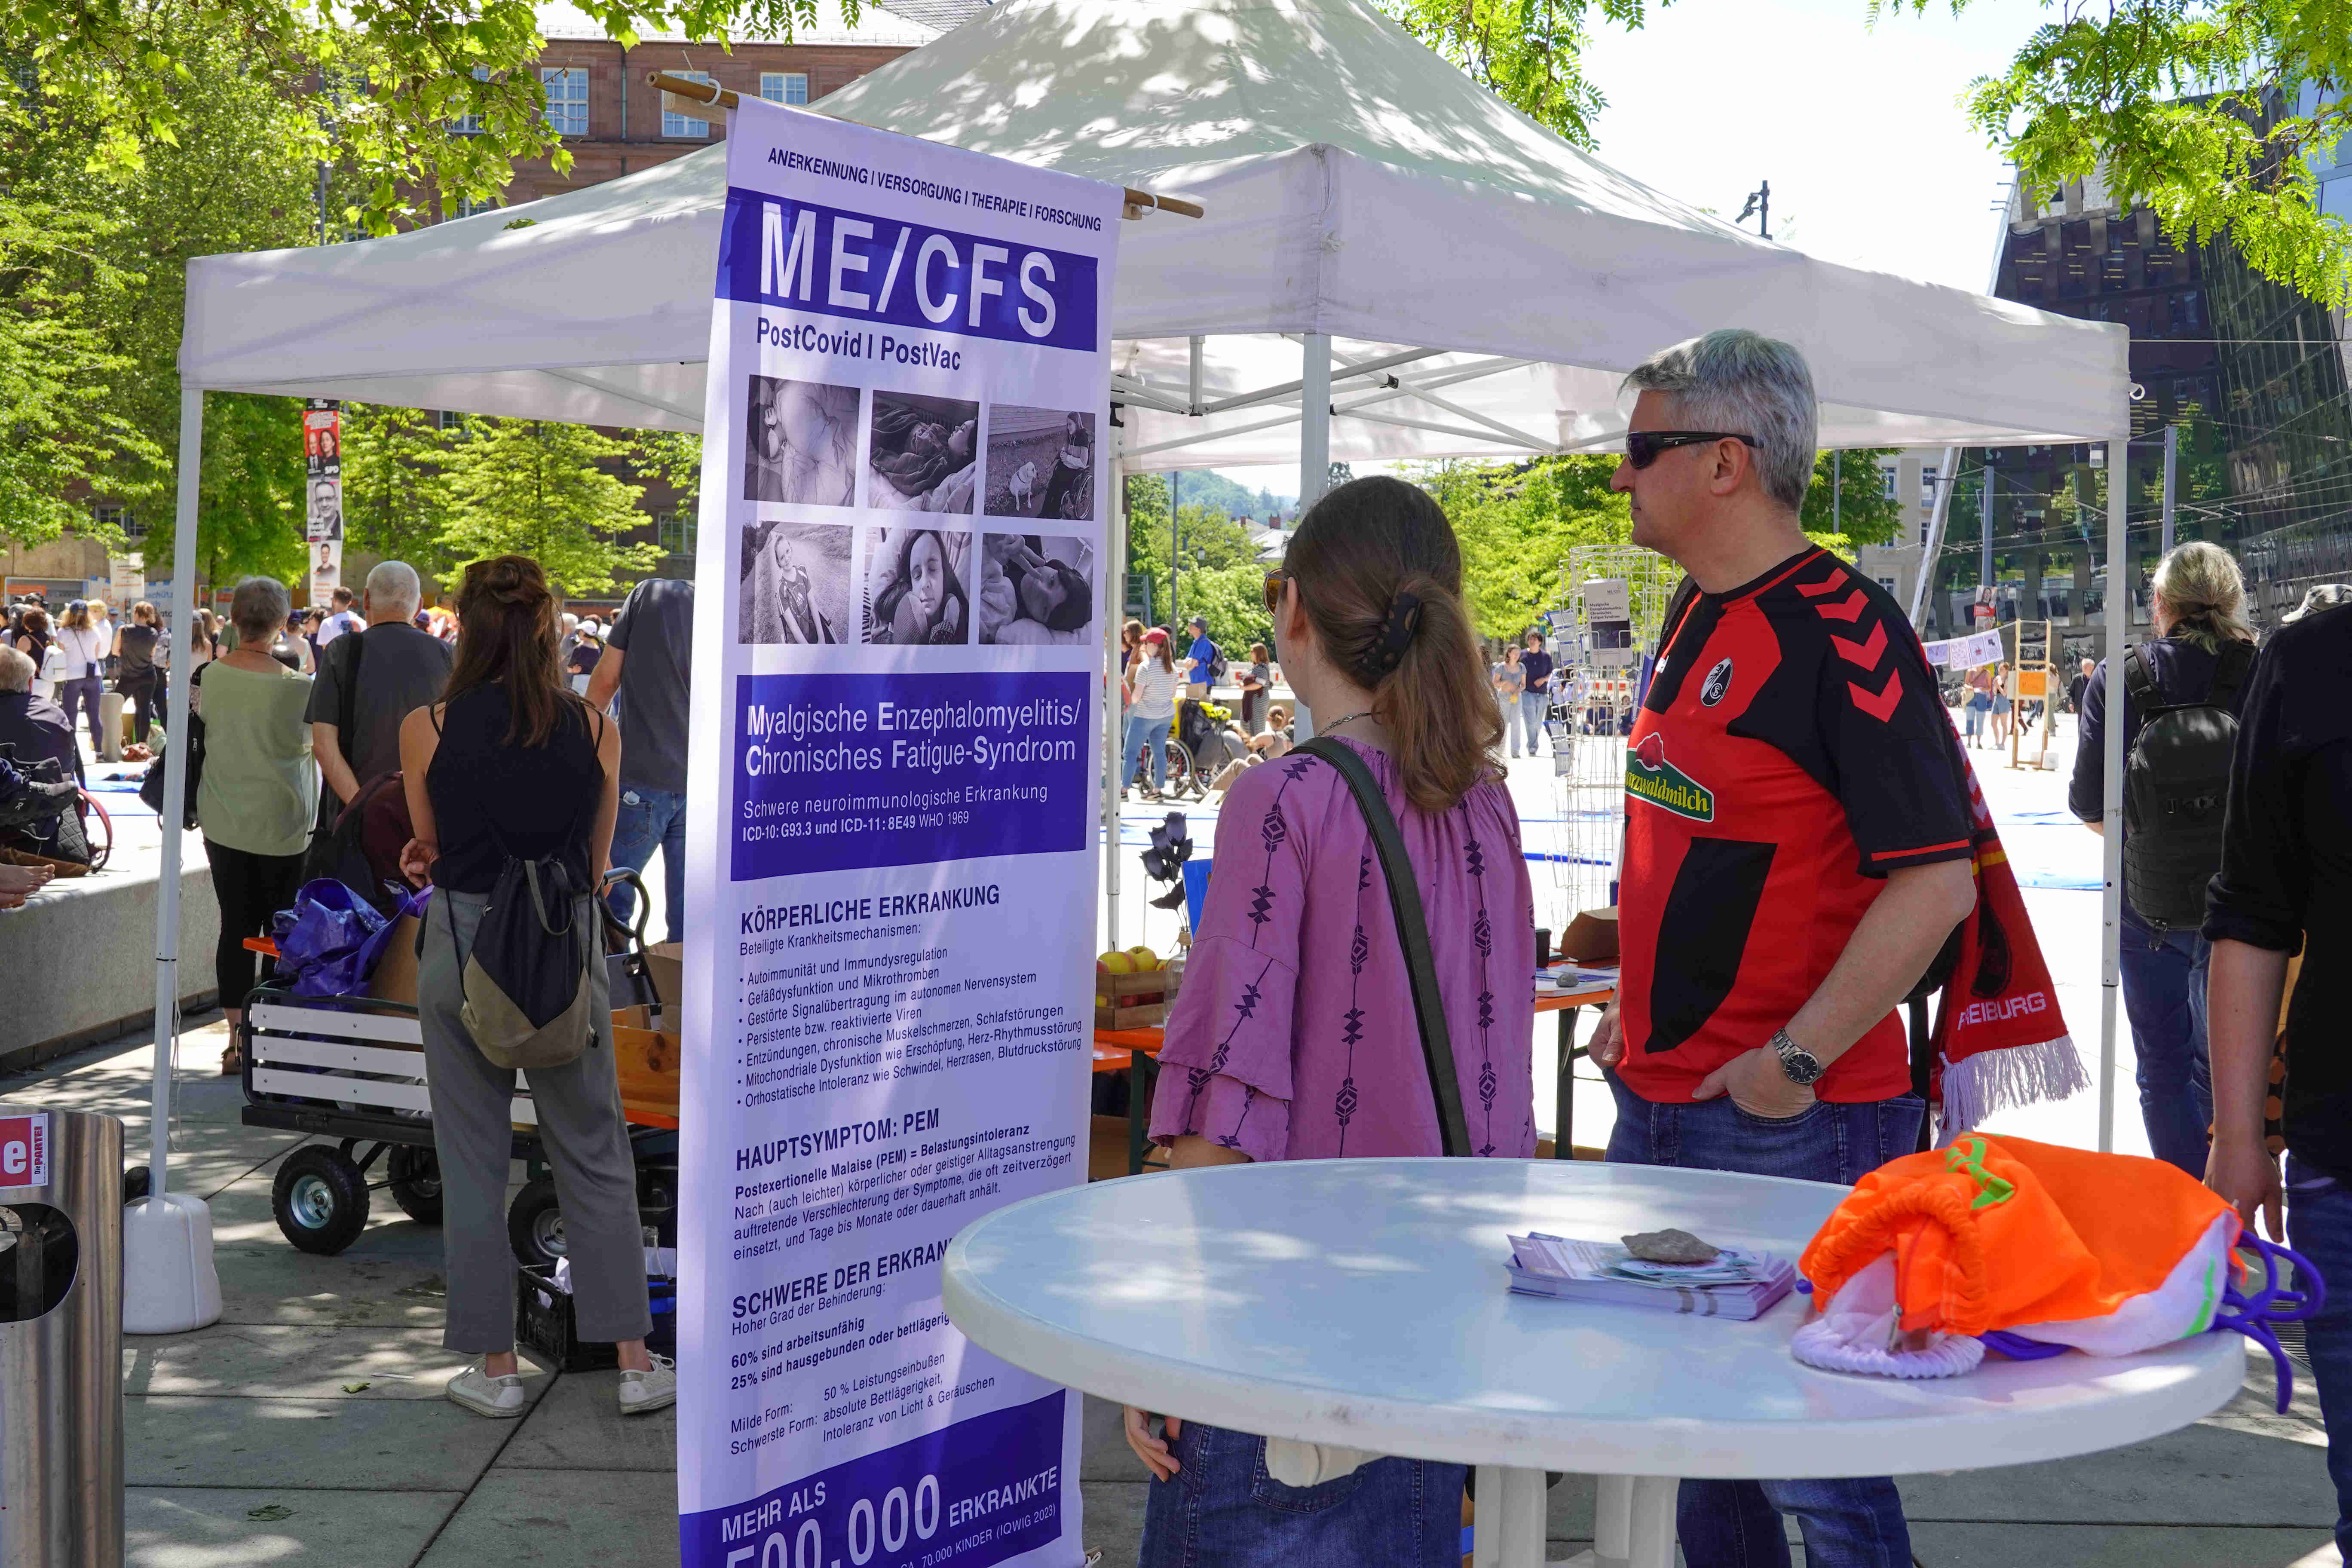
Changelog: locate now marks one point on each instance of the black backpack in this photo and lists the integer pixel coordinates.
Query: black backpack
(2177, 789)
(527, 998)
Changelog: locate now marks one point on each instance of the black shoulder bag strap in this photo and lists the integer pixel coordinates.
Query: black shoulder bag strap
(1412, 932)
(2230, 672)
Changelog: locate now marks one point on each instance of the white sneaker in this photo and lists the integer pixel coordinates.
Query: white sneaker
(500, 1398)
(653, 1390)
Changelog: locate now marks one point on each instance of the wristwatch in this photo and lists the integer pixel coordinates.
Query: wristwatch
(1800, 1065)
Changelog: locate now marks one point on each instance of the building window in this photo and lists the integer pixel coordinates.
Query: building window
(1886, 582)
(685, 124)
(449, 419)
(1927, 487)
(784, 86)
(114, 516)
(468, 207)
(675, 531)
(471, 124)
(567, 99)
(1887, 484)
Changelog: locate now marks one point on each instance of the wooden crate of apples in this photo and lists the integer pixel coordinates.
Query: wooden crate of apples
(1132, 989)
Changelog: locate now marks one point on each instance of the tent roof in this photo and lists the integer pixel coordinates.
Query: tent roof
(1356, 185)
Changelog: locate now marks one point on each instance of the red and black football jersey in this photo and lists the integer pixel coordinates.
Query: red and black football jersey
(1790, 752)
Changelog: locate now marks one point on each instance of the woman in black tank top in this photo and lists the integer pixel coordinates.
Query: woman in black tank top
(511, 762)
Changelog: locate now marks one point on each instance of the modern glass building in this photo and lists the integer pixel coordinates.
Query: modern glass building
(2252, 374)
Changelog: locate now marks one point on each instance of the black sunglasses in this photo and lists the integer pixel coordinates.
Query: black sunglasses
(1643, 447)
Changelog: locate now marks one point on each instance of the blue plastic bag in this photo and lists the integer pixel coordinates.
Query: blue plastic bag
(321, 938)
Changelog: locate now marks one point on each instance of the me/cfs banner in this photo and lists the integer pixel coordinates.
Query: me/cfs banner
(887, 1009)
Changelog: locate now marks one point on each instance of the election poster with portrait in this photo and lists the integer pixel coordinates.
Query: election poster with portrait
(892, 801)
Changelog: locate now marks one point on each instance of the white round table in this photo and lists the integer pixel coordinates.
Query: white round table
(1364, 1302)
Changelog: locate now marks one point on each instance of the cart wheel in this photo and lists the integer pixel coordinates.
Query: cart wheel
(415, 1183)
(320, 1200)
(535, 1225)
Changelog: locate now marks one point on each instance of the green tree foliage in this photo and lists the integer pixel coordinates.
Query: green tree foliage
(1220, 576)
(536, 488)
(233, 175)
(1517, 522)
(59, 427)
(1528, 53)
(669, 458)
(2195, 108)
(395, 493)
(1847, 503)
(376, 85)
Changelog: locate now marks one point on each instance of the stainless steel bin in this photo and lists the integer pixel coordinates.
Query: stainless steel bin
(61, 1339)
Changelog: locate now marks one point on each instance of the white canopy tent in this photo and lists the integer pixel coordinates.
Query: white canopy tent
(1393, 265)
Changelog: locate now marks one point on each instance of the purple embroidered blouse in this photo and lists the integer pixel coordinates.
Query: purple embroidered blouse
(1294, 1037)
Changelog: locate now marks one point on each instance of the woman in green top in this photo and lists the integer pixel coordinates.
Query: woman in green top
(259, 793)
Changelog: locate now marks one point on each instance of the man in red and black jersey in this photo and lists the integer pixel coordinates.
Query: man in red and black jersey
(1797, 850)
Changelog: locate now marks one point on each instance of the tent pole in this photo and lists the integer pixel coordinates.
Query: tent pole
(1115, 589)
(176, 779)
(1314, 455)
(2111, 841)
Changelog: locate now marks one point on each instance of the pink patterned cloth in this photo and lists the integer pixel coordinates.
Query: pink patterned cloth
(1294, 1035)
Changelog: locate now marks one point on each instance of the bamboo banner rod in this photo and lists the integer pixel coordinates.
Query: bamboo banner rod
(713, 94)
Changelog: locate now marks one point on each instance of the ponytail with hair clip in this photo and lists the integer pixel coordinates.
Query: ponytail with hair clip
(1396, 635)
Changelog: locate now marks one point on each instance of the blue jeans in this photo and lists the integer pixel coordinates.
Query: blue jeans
(1737, 1524)
(85, 691)
(1533, 705)
(1144, 735)
(1223, 1510)
(2164, 996)
(651, 816)
(2319, 1226)
(1976, 708)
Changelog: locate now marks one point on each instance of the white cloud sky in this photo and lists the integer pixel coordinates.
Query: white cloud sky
(1871, 159)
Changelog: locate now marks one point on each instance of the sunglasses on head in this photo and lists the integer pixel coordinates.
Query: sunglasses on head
(1643, 447)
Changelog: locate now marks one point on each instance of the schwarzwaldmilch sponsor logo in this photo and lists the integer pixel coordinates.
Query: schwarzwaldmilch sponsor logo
(1649, 775)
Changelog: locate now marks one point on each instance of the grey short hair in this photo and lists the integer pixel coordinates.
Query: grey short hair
(1744, 383)
(15, 670)
(395, 583)
(258, 609)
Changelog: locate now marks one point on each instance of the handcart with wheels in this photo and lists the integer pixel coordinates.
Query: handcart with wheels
(351, 1070)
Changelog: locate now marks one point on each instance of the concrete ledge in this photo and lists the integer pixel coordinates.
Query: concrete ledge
(79, 960)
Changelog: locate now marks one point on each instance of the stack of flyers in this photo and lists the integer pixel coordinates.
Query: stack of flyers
(1735, 1284)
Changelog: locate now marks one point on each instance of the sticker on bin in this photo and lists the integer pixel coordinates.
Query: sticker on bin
(24, 1151)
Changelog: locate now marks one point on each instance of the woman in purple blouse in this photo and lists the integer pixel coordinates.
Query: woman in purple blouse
(1294, 1038)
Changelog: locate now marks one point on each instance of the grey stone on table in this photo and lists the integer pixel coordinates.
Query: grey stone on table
(208, 1527)
(565, 1517)
(390, 1445)
(2120, 1546)
(579, 1427)
(255, 1361)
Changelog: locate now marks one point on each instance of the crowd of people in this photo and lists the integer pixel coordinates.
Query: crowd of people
(502, 728)
(1844, 812)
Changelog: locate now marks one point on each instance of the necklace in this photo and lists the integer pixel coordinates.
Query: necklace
(1334, 724)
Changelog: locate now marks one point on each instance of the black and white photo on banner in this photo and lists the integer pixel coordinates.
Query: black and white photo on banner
(1036, 589)
(794, 584)
(800, 443)
(1040, 463)
(922, 454)
(918, 586)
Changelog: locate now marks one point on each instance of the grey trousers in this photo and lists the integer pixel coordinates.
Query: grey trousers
(579, 1109)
